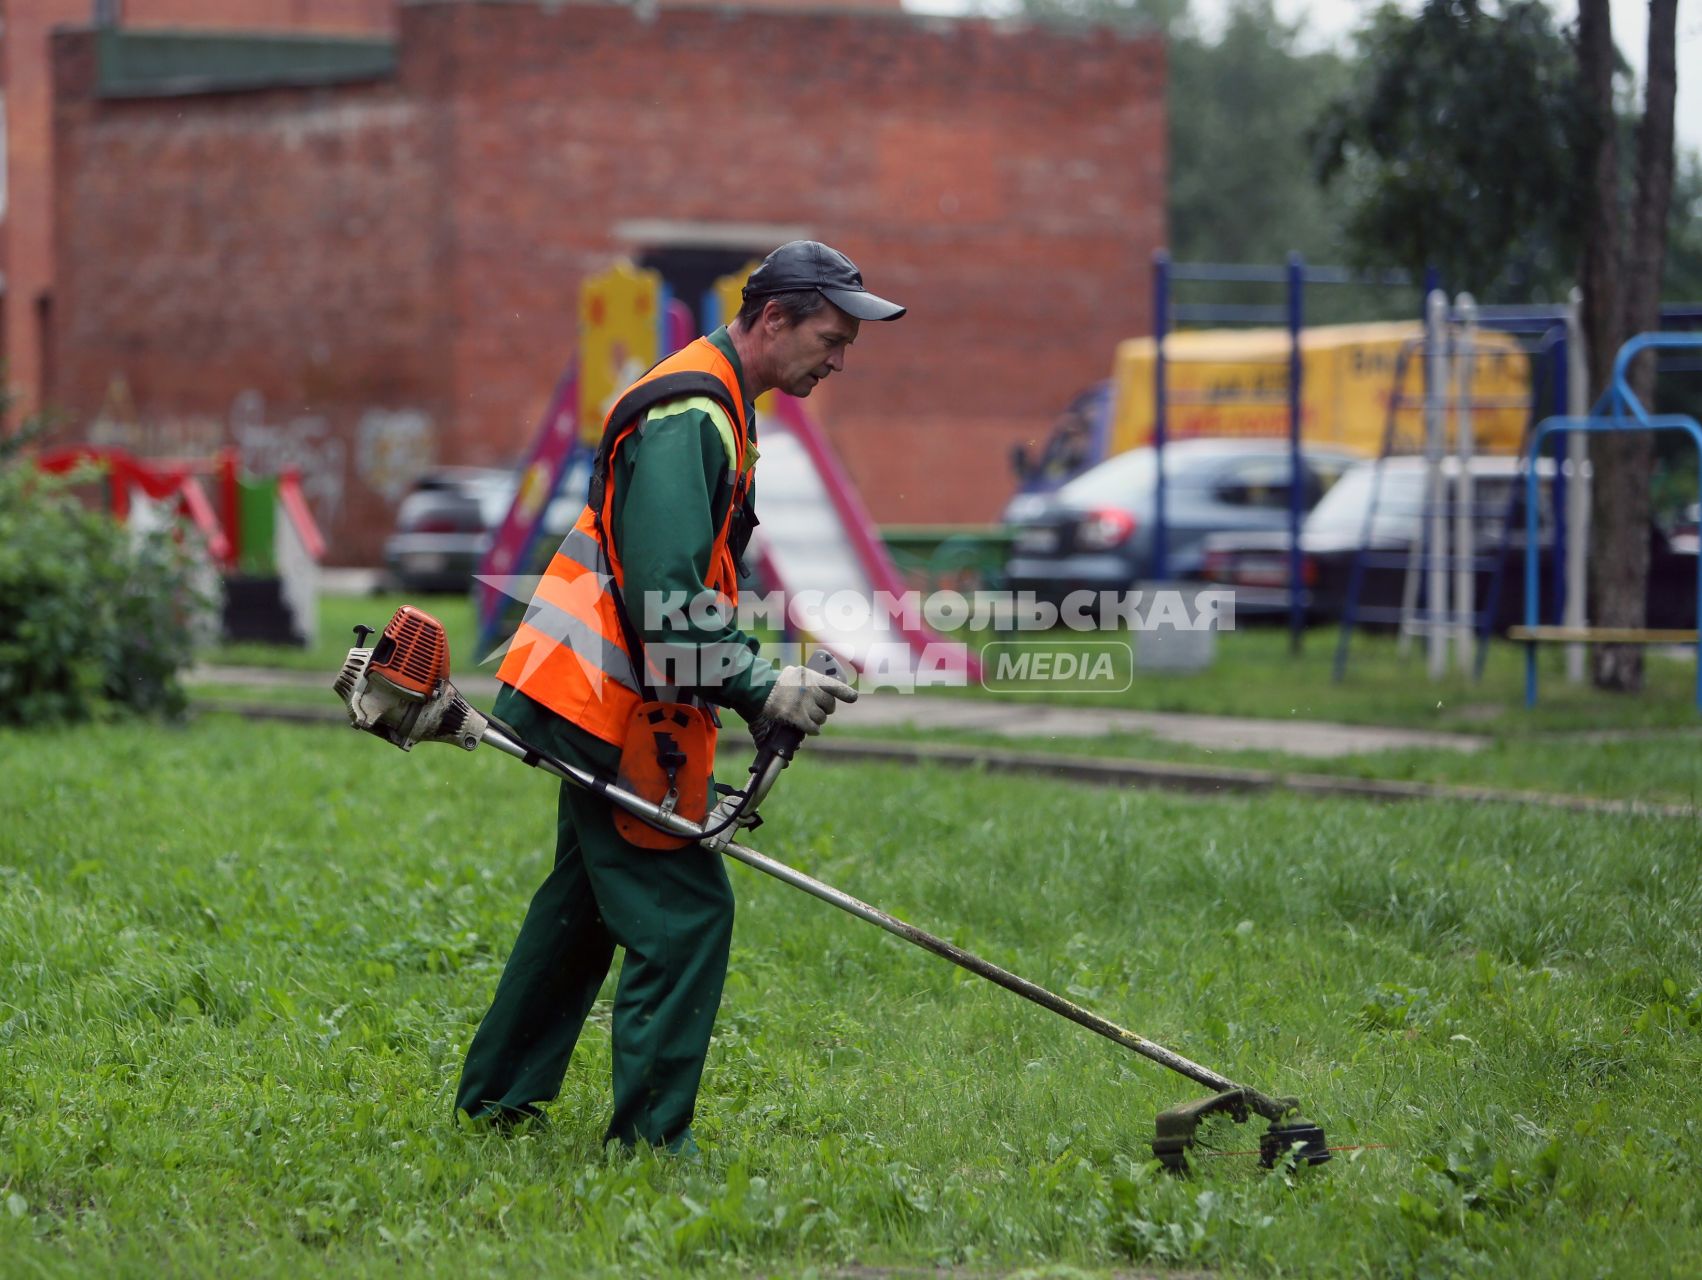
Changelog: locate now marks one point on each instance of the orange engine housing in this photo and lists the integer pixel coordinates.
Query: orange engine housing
(413, 652)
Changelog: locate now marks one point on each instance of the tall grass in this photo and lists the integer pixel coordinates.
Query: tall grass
(239, 965)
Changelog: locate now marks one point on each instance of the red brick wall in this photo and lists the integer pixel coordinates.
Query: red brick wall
(1007, 185)
(256, 269)
(26, 231)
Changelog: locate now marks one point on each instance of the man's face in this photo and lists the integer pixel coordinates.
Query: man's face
(806, 352)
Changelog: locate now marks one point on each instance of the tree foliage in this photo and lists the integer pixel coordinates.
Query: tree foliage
(1240, 109)
(1168, 16)
(1240, 105)
(1454, 147)
(1478, 138)
(1682, 279)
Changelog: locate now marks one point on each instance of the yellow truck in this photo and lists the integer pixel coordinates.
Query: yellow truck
(1234, 382)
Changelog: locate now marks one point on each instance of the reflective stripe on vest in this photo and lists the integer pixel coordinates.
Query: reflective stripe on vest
(570, 653)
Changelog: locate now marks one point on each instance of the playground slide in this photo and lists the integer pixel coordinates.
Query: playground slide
(818, 546)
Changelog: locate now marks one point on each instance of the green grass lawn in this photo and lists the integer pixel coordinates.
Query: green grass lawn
(337, 618)
(1662, 767)
(1254, 675)
(239, 964)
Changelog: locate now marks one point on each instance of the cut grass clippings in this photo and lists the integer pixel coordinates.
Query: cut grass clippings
(241, 963)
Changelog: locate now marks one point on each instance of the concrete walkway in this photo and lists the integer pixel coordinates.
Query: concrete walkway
(1310, 738)
(1012, 719)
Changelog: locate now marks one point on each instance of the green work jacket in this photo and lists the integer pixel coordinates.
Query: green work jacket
(672, 492)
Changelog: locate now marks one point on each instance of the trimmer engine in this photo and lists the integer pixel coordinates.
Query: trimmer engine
(400, 690)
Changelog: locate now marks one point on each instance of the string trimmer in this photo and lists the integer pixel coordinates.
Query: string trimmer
(399, 689)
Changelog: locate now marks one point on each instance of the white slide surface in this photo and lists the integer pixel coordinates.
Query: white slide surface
(818, 546)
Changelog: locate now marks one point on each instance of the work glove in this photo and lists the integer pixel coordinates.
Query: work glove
(803, 699)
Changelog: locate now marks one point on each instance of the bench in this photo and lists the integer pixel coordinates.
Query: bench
(1599, 635)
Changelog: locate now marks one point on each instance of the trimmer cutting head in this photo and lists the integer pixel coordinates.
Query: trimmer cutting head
(1288, 1132)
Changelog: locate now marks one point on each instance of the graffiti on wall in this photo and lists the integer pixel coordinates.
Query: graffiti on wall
(305, 443)
(117, 425)
(391, 447)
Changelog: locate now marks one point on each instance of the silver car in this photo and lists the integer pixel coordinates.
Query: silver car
(446, 522)
(1097, 532)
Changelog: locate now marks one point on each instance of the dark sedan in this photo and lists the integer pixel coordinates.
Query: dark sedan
(443, 527)
(446, 522)
(1097, 532)
(1377, 514)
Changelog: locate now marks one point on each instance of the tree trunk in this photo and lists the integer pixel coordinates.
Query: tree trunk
(1598, 274)
(1619, 565)
(1598, 176)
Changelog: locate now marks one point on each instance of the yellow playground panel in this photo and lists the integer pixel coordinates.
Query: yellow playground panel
(729, 291)
(729, 294)
(1234, 382)
(619, 338)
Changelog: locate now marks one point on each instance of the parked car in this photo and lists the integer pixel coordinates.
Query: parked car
(1392, 495)
(443, 526)
(1097, 531)
(1686, 529)
(445, 523)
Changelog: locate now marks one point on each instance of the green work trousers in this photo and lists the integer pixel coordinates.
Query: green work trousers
(672, 912)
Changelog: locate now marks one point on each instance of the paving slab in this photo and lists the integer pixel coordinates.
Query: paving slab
(349, 582)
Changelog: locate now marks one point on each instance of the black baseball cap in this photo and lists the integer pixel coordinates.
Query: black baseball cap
(809, 264)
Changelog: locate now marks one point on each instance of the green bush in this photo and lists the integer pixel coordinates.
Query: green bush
(94, 618)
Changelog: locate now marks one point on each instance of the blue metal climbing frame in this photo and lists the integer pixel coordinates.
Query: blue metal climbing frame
(1618, 410)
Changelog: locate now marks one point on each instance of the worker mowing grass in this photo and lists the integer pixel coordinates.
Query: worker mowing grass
(671, 509)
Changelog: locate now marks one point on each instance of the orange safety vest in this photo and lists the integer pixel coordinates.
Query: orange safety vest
(571, 651)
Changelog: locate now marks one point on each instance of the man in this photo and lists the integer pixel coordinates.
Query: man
(670, 513)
